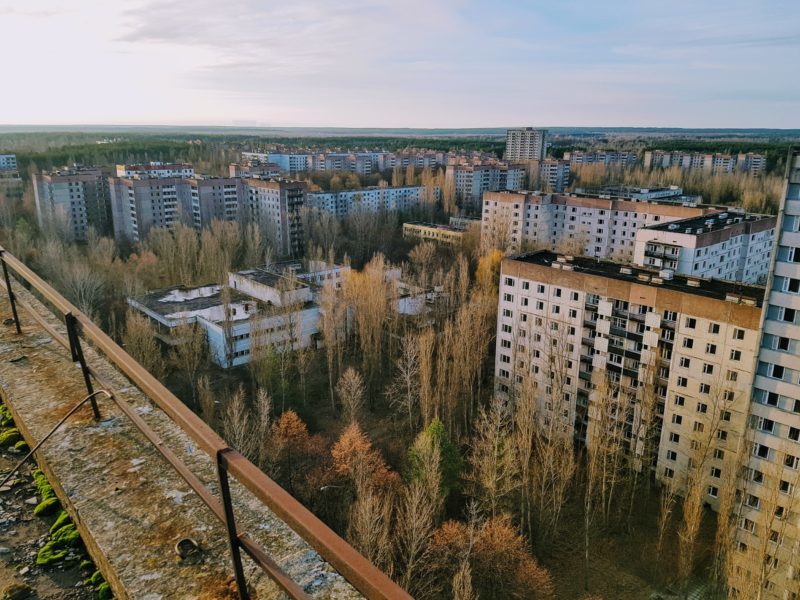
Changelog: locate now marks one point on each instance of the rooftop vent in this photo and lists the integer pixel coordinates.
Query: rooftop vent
(643, 277)
(626, 271)
(673, 226)
(691, 282)
(666, 274)
(656, 280)
(567, 267)
(732, 298)
(556, 265)
(748, 301)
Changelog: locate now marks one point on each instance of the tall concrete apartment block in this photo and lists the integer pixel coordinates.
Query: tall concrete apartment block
(277, 205)
(599, 227)
(569, 329)
(471, 179)
(768, 530)
(550, 175)
(722, 245)
(370, 199)
(603, 157)
(525, 143)
(139, 204)
(73, 200)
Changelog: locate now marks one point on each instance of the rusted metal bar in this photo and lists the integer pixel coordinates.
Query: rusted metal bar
(230, 525)
(77, 356)
(362, 574)
(12, 300)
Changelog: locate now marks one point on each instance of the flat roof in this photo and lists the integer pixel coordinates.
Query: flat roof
(441, 226)
(710, 222)
(177, 299)
(270, 277)
(718, 289)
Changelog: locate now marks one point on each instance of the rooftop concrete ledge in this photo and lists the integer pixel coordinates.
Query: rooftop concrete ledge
(128, 503)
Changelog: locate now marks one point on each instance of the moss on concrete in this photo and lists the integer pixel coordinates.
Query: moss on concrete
(67, 536)
(46, 507)
(61, 520)
(9, 437)
(104, 591)
(50, 553)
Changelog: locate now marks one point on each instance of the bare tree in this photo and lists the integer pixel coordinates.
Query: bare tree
(404, 390)
(189, 354)
(493, 470)
(350, 389)
(140, 342)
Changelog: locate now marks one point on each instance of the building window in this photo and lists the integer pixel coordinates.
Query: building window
(688, 342)
(675, 438)
(680, 400)
(691, 322)
(708, 369)
(711, 348)
(672, 455)
(713, 491)
(685, 362)
(713, 328)
(702, 407)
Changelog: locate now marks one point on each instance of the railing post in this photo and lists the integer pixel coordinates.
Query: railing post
(230, 523)
(77, 356)
(11, 297)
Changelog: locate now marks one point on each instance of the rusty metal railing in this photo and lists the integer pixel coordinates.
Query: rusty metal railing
(357, 570)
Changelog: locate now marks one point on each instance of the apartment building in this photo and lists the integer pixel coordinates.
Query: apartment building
(433, 232)
(598, 227)
(525, 143)
(472, 179)
(276, 204)
(8, 162)
(371, 199)
(288, 163)
(139, 205)
(768, 535)
(671, 193)
(550, 175)
(709, 163)
(572, 329)
(72, 200)
(254, 169)
(156, 169)
(602, 157)
(723, 245)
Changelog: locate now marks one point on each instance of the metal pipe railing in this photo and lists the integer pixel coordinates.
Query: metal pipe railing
(357, 570)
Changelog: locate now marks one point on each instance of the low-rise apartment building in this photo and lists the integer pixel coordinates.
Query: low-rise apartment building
(674, 353)
(72, 200)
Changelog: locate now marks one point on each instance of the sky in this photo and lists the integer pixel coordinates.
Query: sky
(409, 63)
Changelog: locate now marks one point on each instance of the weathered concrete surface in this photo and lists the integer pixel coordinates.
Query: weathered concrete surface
(129, 504)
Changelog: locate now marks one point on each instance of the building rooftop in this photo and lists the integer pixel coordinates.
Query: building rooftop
(275, 275)
(710, 222)
(710, 288)
(671, 193)
(169, 302)
(439, 226)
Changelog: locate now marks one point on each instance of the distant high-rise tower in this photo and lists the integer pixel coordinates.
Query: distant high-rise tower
(525, 143)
